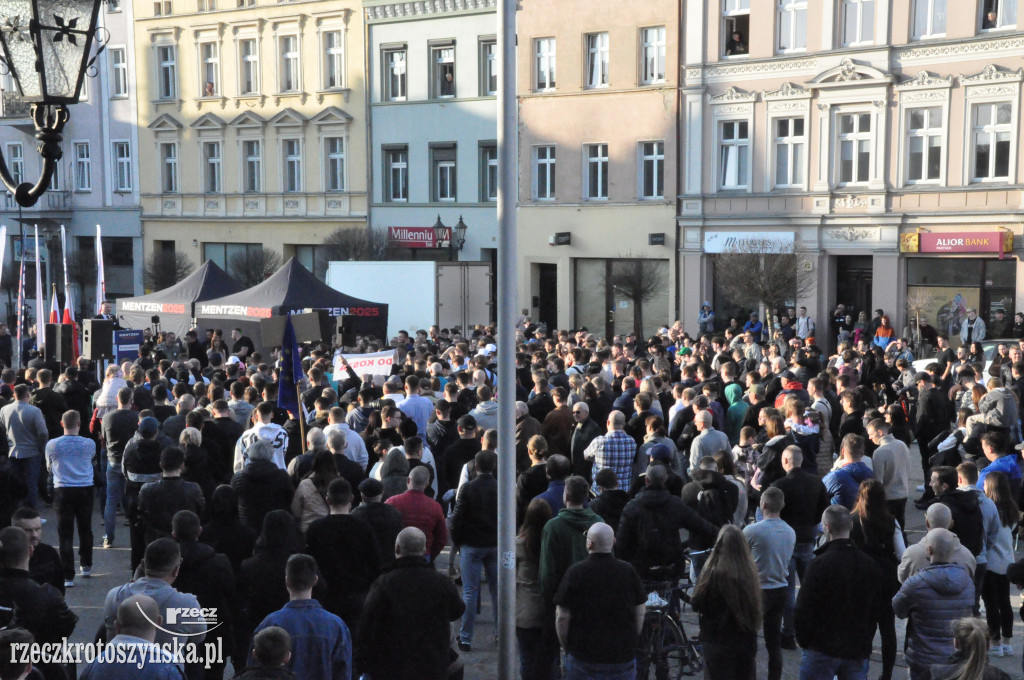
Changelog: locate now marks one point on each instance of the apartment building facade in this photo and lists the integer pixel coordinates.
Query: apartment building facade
(96, 182)
(251, 122)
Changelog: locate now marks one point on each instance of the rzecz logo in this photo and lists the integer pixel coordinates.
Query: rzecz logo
(187, 616)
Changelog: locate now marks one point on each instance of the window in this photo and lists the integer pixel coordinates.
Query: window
(792, 25)
(168, 71)
(122, 166)
(488, 172)
(858, 22)
(992, 130)
(334, 153)
(734, 154)
(736, 27)
(790, 146)
(289, 73)
(113, 6)
(16, 161)
(291, 151)
(597, 60)
(488, 68)
(245, 3)
(212, 167)
(206, 5)
(169, 167)
(924, 144)
(161, 8)
(307, 256)
(596, 171)
(249, 62)
(652, 170)
(442, 162)
(854, 148)
(56, 178)
(334, 60)
(442, 61)
(544, 173)
(83, 167)
(394, 74)
(210, 66)
(252, 174)
(544, 58)
(929, 18)
(396, 174)
(119, 72)
(231, 256)
(998, 14)
(653, 55)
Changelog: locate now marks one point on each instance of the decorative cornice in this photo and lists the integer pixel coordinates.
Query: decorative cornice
(787, 91)
(766, 69)
(421, 8)
(732, 96)
(849, 72)
(923, 81)
(961, 49)
(849, 201)
(992, 74)
(851, 233)
(937, 95)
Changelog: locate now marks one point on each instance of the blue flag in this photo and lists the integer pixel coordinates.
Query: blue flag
(291, 369)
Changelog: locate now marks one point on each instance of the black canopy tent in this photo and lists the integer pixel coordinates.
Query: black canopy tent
(291, 289)
(176, 305)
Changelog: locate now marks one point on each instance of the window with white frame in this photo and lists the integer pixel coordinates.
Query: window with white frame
(288, 75)
(735, 27)
(212, 165)
(249, 67)
(790, 151)
(252, 168)
(488, 172)
(652, 48)
(733, 154)
(334, 158)
(544, 173)
(167, 71)
(442, 66)
(544, 63)
(488, 67)
(652, 169)
(119, 72)
(334, 60)
(854, 143)
(991, 133)
(929, 19)
(792, 25)
(396, 174)
(245, 3)
(996, 14)
(924, 144)
(16, 161)
(169, 167)
(57, 179)
(210, 64)
(162, 8)
(394, 74)
(113, 6)
(206, 5)
(291, 152)
(596, 171)
(597, 60)
(83, 166)
(858, 22)
(122, 166)
(442, 161)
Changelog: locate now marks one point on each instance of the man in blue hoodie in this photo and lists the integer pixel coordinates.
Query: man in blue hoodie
(843, 484)
(996, 447)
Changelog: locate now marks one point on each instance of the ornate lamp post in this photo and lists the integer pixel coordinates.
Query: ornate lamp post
(455, 236)
(46, 47)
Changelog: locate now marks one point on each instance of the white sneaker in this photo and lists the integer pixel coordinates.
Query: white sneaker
(920, 487)
(69, 583)
(85, 571)
(1007, 649)
(995, 650)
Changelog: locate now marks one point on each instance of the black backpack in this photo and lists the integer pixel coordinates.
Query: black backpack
(714, 507)
(657, 543)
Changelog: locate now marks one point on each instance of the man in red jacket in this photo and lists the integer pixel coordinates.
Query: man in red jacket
(420, 511)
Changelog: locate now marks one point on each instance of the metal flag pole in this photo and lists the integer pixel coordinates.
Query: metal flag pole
(507, 291)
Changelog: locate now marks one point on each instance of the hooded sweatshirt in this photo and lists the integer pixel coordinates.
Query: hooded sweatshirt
(933, 599)
(563, 544)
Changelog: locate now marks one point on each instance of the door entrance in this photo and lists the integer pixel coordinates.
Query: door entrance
(853, 283)
(545, 297)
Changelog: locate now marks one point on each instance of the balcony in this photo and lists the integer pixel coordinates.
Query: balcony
(12, 105)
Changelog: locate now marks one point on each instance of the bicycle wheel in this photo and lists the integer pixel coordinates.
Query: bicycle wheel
(646, 644)
(678, 651)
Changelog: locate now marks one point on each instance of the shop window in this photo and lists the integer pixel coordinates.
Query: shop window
(615, 297)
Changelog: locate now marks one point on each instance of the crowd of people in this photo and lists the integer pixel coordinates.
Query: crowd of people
(315, 533)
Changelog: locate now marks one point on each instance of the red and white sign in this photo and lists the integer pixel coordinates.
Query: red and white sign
(981, 242)
(376, 364)
(416, 237)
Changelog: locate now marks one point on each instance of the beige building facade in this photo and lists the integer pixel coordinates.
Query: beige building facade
(252, 126)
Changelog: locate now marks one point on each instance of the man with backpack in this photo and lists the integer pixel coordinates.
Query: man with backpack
(714, 498)
(648, 534)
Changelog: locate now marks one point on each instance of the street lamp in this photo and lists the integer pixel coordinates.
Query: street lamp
(455, 236)
(45, 47)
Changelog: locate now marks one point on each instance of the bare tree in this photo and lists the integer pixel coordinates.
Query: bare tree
(919, 301)
(352, 243)
(636, 278)
(766, 269)
(164, 269)
(254, 266)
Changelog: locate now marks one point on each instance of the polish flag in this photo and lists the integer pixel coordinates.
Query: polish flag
(54, 308)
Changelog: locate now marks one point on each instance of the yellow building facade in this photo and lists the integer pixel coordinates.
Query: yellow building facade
(252, 126)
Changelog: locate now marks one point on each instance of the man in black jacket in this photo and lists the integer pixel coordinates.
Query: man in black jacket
(806, 498)
(583, 432)
(474, 527)
(385, 521)
(261, 486)
(119, 426)
(75, 395)
(968, 522)
(934, 413)
(159, 501)
(839, 603)
(405, 630)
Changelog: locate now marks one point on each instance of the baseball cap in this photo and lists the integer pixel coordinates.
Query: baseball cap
(149, 426)
(371, 488)
(660, 452)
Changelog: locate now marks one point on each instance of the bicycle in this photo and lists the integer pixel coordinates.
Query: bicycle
(664, 646)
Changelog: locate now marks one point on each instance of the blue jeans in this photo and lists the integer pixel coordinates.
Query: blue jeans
(697, 561)
(803, 553)
(27, 470)
(115, 497)
(581, 670)
(818, 666)
(471, 561)
(538, 653)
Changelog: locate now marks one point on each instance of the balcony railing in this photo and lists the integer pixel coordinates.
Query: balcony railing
(12, 105)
